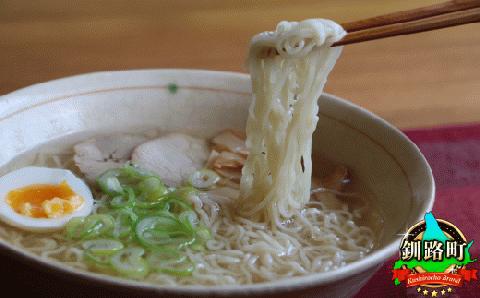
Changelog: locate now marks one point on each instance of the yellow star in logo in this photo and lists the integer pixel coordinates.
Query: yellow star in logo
(443, 292)
(419, 289)
(434, 293)
(449, 290)
(425, 292)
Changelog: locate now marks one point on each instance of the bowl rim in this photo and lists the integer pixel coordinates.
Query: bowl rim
(374, 258)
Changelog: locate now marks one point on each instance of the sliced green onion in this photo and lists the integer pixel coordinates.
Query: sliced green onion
(144, 203)
(133, 171)
(74, 228)
(129, 262)
(145, 212)
(176, 205)
(125, 220)
(189, 219)
(127, 199)
(113, 181)
(109, 183)
(159, 231)
(89, 227)
(98, 225)
(121, 202)
(171, 263)
(130, 175)
(152, 188)
(101, 262)
(204, 179)
(102, 246)
(182, 269)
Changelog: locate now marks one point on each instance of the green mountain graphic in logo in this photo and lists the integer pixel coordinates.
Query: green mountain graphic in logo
(434, 232)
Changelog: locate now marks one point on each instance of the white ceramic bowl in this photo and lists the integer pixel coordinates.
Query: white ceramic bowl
(207, 102)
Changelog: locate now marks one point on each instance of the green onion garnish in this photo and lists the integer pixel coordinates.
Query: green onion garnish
(145, 225)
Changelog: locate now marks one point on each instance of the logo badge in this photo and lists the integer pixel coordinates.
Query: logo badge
(434, 255)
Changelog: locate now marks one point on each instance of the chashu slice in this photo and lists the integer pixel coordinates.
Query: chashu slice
(173, 157)
(95, 156)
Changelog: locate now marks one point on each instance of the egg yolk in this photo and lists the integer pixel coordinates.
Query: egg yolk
(44, 200)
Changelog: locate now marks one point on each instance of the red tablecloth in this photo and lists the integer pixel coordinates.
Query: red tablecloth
(454, 155)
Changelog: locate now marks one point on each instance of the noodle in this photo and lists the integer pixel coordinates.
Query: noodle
(277, 175)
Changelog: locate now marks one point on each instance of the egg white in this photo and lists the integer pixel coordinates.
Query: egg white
(41, 175)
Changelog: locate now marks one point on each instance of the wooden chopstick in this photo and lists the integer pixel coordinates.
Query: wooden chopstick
(411, 15)
(451, 13)
(447, 14)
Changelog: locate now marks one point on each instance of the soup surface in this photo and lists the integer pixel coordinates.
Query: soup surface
(338, 226)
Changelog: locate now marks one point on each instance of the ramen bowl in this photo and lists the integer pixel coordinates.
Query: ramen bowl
(64, 111)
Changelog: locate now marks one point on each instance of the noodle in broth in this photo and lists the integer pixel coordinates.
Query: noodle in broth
(323, 236)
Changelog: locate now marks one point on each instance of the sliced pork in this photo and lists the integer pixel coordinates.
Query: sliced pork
(173, 157)
(97, 155)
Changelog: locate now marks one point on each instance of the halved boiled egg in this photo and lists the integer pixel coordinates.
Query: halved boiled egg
(43, 199)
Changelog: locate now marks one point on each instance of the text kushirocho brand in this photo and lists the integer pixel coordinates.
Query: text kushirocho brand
(434, 255)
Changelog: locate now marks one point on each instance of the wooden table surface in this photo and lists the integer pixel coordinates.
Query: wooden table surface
(419, 80)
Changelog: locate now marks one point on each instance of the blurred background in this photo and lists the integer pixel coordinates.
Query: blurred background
(420, 80)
